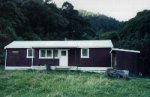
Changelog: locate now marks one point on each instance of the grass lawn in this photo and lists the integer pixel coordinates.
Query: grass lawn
(69, 84)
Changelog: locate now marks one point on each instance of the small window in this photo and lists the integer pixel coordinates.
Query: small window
(29, 53)
(84, 53)
(55, 52)
(63, 53)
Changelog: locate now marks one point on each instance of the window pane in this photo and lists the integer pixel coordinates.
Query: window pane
(43, 52)
(30, 52)
(84, 52)
(49, 53)
(55, 53)
(63, 53)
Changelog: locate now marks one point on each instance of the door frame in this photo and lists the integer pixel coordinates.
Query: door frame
(60, 64)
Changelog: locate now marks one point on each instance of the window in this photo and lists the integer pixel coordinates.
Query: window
(46, 53)
(49, 53)
(29, 53)
(84, 53)
(42, 53)
(63, 53)
(55, 52)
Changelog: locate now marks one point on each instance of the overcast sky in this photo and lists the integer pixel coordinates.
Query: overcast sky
(120, 9)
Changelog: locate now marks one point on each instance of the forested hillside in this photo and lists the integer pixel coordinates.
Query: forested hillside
(136, 31)
(100, 23)
(36, 19)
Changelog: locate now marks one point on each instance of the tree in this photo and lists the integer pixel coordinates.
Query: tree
(78, 27)
(67, 6)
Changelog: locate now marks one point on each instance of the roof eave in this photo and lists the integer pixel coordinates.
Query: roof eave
(125, 50)
(56, 47)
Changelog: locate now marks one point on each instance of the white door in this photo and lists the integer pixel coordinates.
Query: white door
(63, 61)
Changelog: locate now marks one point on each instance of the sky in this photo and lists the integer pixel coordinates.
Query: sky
(121, 10)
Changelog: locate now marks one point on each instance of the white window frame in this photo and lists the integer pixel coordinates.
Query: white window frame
(87, 53)
(27, 55)
(40, 54)
(46, 57)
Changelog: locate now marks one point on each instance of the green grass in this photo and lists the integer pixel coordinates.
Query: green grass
(69, 84)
